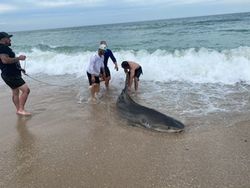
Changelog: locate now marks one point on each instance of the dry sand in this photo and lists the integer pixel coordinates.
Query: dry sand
(65, 144)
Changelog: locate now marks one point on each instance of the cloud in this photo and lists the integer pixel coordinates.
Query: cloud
(39, 14)
(237, 1)
(40, 4)
(62, 3)
(6, 8)
(2, 23)
(7, 5)
(183, 2)
(166, 2)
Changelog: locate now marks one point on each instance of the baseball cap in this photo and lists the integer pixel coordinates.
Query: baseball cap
(102, 47)
(4, 35)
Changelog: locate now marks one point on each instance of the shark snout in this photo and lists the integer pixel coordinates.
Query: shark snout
(167, 129)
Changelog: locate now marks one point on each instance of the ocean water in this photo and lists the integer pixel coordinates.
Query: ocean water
(210, 49)
(192, 67)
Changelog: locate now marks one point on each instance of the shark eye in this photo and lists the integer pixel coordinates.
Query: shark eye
(145, 123)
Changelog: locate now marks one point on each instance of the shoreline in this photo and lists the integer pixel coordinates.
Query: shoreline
(64, 144)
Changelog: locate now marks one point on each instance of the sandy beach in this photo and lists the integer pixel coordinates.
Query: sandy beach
(67, 144)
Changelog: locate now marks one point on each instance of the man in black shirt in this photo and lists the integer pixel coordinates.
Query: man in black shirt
(11, 73)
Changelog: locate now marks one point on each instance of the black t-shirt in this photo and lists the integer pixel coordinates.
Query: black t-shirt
(12, 69)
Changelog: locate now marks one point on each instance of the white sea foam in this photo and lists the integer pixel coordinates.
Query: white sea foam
(191, 65)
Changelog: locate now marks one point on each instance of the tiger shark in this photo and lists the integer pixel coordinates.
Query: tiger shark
(142, 116)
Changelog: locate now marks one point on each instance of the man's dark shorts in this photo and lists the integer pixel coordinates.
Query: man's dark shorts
(138, 72)
(97, 80)
(13, 81)
(107, 71)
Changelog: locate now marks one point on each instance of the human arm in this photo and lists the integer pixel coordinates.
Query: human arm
(103, 69)
(9, 60)
(102, 75)
(116, 66)
(111, 55)
(91, 69)
(131, 77)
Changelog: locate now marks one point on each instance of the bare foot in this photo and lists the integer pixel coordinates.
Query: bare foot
(23, 113)
(93, 100)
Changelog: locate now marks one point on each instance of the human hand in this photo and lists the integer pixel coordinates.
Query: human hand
(23, 71)
(21, 57)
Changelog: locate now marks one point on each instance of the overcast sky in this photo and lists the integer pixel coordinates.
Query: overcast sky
(18, 15)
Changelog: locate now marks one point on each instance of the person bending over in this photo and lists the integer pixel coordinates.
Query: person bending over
(134, 70)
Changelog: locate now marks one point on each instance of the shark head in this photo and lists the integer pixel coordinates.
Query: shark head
(166, 128)
(162, 124)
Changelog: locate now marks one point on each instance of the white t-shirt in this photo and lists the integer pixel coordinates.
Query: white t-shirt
(95, 64)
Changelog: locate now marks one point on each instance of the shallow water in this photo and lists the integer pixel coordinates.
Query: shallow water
(196, 105)
(70, 142)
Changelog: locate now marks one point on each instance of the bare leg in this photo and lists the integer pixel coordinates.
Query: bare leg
(94, 90)
(107, 79)
(128, 81)
(22, 99)
(97, 89)
(15, 98)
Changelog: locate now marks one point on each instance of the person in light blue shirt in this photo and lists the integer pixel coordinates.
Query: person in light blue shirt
(108, 54)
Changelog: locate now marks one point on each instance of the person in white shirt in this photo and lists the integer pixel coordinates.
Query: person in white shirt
(93, 71)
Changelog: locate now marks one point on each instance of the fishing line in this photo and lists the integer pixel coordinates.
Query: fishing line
(37, 80)
(45, 82)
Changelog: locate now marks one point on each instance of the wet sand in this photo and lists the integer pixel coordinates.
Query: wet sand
(66, 144)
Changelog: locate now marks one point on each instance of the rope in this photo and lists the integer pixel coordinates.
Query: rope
(45, 82)
(37, 80)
